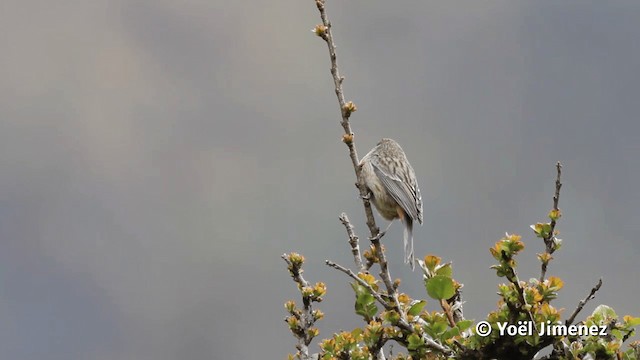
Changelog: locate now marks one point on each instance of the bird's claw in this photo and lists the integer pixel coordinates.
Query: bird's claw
(378, 236)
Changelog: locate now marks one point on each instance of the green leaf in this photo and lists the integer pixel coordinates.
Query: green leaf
(444, 270)
(365, 302)
(557, 243)
(440, 287)
(537, 228)
(630, 354)
(371, 311)
(439, 327)
(603, 314)
(391, 316)
(450, 333)
(632, 321)
(464, 324)
(365, 299)
(500, 270)
(414, 341)
(617, 333)
(416, 308)
(368, 310)
(357, 288)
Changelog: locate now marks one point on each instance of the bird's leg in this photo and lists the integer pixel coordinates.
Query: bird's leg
(367, 196)
(385, 230)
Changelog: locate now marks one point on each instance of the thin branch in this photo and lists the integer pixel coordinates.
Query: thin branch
(447, 311)
(295, 272)
(378, 352)
(584, 302)
(556, 197)
(353, 241)
(305, 317)
(382, 259)
(346, 109)
(456, 305)
(324, 31)
(373, 292)
(549, 240)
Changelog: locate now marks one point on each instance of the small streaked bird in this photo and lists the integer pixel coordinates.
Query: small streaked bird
(394, 189)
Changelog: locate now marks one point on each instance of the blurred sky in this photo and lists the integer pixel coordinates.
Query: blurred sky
(159, 156)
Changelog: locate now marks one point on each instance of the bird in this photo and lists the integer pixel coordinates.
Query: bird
(393, 189)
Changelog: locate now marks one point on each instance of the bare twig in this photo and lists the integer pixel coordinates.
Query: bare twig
(326, 34)
(549, 239)
(456, 305)
(584, 302)
(556, 196)
(324, 31)
(353, 241)
(376, 295)
(447, 311)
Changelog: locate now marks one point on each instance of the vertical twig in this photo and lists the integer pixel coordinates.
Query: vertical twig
(346, 109)
(353, 242)
(549, 240)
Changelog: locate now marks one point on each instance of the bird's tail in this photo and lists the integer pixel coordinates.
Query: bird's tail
(409, 257)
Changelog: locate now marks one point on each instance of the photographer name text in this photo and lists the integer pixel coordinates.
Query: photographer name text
(527, 328)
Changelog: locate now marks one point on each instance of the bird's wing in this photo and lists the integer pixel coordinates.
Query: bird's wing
(403, 193)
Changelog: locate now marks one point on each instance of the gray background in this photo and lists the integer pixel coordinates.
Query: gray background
(158, 156)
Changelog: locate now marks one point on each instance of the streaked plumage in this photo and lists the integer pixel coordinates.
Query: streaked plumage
(394, 189)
